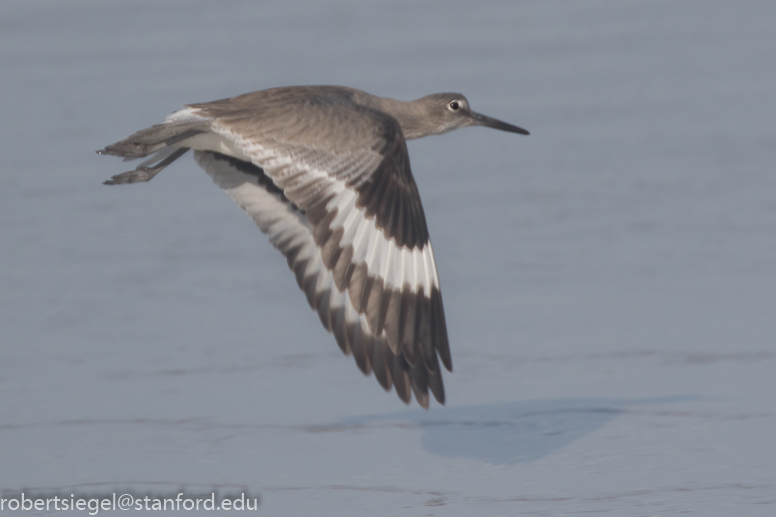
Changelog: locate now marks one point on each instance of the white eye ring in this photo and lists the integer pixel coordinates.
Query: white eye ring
(455, 105)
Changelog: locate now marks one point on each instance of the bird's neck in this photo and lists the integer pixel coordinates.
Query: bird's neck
(410, 115)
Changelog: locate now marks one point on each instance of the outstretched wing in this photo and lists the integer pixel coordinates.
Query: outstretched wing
(290, 232)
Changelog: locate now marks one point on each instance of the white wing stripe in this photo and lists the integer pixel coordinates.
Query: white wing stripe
(383, 258)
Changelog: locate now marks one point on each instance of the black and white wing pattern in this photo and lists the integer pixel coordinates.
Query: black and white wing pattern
(290, 232)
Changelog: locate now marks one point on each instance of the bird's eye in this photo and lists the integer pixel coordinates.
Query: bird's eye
(454, 105)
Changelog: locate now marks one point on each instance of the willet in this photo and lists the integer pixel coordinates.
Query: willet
(324, 172)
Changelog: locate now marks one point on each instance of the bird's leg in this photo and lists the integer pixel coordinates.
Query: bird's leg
(135, 176)
(145, 173)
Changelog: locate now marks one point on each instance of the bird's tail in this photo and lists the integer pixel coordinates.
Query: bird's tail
(159, 140)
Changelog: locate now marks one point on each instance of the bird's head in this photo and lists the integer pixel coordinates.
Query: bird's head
(443, 112)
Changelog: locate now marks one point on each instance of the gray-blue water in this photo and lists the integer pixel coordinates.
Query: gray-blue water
(609, 281)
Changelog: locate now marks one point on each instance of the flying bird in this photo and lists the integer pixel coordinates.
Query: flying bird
(324, 172)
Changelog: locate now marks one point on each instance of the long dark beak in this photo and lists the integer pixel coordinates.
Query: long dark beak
(484, 120)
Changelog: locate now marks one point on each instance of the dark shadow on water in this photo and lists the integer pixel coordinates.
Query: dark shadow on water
(511, 432)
